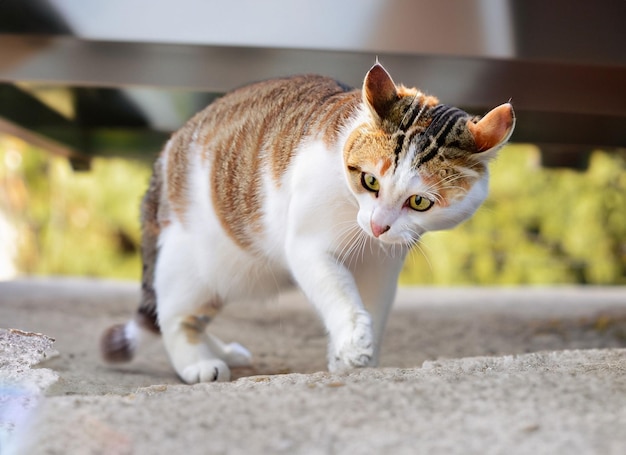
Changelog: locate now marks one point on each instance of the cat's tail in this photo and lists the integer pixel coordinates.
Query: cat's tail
(120, 342)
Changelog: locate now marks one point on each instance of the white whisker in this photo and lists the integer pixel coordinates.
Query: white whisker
(349, 240)
(414, 242)
(419, 248)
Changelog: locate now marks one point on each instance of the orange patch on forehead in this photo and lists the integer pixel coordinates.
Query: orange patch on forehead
(367, 145)
(385, 166)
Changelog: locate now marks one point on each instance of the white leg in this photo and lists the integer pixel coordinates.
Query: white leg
(377, 280)
(330, 287)
(198, 356)
(185, 307)
(190, 353)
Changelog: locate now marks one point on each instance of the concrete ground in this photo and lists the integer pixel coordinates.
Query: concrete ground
(472, 370)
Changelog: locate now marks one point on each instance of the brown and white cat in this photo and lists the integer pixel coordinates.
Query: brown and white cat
(301, 180)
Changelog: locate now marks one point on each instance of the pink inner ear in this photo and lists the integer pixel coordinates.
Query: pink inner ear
(493, 128)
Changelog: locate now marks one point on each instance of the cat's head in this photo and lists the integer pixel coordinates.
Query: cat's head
(415, 165)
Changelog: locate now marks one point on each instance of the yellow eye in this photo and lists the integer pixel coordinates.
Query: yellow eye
(419, 203)
(370, 183)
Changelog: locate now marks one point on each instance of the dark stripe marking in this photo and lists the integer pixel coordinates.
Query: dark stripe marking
(442, 124)
(411, 114)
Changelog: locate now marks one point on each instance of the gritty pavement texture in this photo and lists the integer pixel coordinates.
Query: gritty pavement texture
(473, 370)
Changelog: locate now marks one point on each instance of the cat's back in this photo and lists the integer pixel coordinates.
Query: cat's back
(247, 137)
(275, 115)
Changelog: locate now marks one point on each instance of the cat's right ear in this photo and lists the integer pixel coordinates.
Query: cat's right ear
(494, 129)
(379, 91)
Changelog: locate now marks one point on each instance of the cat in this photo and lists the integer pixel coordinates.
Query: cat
(300, 180)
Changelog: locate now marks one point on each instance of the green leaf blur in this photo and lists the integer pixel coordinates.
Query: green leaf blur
(72, 223)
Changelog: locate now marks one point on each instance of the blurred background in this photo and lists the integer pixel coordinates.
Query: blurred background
(89, 93)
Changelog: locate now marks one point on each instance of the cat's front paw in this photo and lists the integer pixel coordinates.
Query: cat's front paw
(355, 350)
(211, 370)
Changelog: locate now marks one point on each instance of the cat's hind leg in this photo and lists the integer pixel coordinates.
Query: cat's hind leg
(190, 349)
(234, 354)
(186, 304)
(196, 355)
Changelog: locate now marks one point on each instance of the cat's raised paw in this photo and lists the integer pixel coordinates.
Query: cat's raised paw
(357, 350)
(211, 370)
(348, 360)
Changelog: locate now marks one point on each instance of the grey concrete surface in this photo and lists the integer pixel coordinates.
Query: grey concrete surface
(472, 370)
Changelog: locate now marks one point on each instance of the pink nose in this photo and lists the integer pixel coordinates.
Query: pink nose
(378, 230)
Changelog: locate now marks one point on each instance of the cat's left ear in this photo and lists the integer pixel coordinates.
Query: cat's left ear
(493, 130)
(379, 91)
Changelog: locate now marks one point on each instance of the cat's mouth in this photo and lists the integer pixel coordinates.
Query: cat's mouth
(386, 235)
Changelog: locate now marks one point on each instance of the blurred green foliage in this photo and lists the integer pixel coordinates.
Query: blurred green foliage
(538, 226)
(72, 223)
